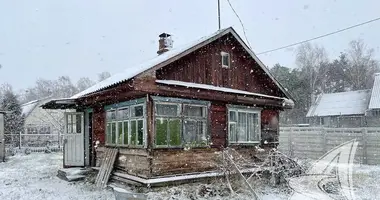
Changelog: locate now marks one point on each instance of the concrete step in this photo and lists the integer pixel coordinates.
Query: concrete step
(73, 174)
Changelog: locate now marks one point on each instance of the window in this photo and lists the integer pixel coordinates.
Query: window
(125, 126)
(244, 125)
(31, 130)
(74, 123)
(177, 124)
(225, 59)
(44, 130)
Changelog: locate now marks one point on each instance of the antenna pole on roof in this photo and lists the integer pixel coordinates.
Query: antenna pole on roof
(219, 13)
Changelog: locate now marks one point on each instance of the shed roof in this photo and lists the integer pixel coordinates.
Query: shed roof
(374, 102)
(341, 103)
(171, 56)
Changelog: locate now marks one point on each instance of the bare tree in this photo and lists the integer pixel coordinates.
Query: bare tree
(104, 75)
(312, 60)
(84, 83)
(361, 65)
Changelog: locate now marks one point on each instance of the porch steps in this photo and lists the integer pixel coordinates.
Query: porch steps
(73, 174)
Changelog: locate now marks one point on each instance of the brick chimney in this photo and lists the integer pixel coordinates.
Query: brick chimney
(165, 43)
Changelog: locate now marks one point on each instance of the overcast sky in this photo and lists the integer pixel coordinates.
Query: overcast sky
(46, 39)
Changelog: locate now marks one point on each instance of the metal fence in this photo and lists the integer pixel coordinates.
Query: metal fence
(314, 142)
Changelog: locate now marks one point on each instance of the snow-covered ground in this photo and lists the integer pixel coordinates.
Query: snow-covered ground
(34, 177)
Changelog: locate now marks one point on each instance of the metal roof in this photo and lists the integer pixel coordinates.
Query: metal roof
(374, 102)
(341, 103)
(171, 56)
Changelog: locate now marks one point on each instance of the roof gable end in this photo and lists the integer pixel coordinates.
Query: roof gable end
(171, 56)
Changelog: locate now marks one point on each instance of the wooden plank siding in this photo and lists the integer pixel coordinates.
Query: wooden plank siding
(204, 67)
(218, 116)
(99, 124)
(131, 161)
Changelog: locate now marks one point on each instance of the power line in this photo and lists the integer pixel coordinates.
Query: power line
(321, 36)
(241, 22)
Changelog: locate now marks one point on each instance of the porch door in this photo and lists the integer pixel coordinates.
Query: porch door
(74, 139)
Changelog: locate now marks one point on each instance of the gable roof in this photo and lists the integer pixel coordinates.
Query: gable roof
(341, 103)
(171, 56)
(374, 103)
(27, 108)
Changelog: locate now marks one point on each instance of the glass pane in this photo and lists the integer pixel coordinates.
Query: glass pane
(113, 133)
(123, 113)
(161, 131)
(242, 127)
(69, 119)
(175, 132)
(232, 116)
(120, 133)
(108, 138)
(140, 132)
(232, 130)
(69, 128)
(78, 123)
(167, 109)
(190, 131)
(225, 59)
(201, 131)
(196, 111)
(126, 132)
(111, 115)
(137, 111)
(133, 132)
(252, 127)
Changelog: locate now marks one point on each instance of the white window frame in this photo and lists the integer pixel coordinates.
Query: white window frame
(242, 109)
(229, 59)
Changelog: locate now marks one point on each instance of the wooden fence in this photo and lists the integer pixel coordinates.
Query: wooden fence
(314, 142)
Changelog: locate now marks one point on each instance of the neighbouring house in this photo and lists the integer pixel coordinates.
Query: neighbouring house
(41, 127)
(359, 108)
(172, 115)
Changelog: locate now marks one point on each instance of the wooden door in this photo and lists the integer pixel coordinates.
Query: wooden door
(74, 139)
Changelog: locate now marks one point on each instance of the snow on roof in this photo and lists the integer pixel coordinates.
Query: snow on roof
(215, 88)
(133, 71)
(341, 103)
(374, 103)
(27, 108)
(130, 72)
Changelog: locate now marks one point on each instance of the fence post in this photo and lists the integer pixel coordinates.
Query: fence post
(291, 153)
(324, 140)
(364, 145)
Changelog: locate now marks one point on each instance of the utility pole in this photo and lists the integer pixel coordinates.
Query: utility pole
(219, 14)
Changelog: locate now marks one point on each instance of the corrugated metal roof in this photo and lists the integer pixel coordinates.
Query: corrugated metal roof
(374, 103)
(174, 53)
(130, 72)
(341, 103)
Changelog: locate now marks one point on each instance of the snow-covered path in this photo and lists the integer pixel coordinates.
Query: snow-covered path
(34, 177)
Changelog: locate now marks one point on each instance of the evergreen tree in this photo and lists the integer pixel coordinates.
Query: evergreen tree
(13, 120)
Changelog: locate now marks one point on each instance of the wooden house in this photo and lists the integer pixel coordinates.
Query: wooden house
(172, 115)
(352, 109)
